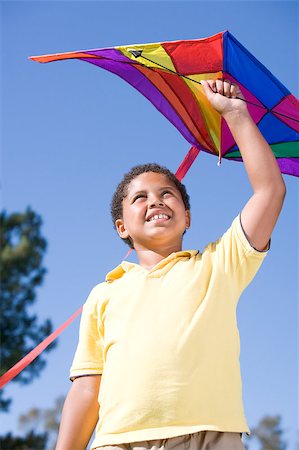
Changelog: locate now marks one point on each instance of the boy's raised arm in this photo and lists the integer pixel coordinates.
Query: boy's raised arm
(261, 212)
(79, 414)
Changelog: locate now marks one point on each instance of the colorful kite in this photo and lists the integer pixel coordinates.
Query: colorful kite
(169, 75)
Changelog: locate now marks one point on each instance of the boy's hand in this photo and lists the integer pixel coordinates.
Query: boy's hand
(222, 94)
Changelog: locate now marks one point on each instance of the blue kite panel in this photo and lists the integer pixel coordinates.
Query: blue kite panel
(275, 131)
(246, 69)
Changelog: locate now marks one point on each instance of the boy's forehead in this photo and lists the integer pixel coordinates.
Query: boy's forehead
(150, 179)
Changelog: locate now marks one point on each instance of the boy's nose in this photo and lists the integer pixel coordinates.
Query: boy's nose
(156, 202)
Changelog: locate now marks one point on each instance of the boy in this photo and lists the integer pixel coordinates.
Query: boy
(160, 337)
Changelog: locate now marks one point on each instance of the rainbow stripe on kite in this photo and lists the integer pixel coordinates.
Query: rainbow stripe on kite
(168, 74)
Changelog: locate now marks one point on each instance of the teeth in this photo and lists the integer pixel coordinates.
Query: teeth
(158, 216)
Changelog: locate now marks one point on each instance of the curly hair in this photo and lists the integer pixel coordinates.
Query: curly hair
(122, 190)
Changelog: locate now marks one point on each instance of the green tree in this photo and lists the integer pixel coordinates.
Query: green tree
(22, 248)
(45, 421)
(32, 441)
(269, 433)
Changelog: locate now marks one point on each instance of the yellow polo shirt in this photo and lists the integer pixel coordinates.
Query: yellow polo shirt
(166, 342)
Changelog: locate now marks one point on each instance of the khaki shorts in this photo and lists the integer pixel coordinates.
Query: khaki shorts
(202, 440)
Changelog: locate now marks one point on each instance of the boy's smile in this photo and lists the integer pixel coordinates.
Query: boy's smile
(157, 216)
(154, 214)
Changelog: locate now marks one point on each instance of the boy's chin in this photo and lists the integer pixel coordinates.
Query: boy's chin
(160, 237)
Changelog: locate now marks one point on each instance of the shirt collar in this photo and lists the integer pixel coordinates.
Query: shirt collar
(127, 266)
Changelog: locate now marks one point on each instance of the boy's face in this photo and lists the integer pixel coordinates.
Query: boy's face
(154, 214)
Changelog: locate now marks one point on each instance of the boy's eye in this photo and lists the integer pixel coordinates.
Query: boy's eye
(138, 196)
(166, 192)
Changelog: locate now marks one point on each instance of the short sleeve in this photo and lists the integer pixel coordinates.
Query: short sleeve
(236, 258)
(88, 359)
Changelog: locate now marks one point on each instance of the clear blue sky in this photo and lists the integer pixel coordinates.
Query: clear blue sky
(69, 132)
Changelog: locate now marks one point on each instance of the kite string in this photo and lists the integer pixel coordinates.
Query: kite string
(31, 356)
(134, 53)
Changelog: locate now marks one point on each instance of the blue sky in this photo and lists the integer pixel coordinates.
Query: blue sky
(70, 131)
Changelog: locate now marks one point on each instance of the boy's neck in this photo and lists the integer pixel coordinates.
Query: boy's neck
(148, 258)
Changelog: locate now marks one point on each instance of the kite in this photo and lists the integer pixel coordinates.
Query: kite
(169, 75)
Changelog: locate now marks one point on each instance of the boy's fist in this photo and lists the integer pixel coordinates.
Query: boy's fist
(224, 96)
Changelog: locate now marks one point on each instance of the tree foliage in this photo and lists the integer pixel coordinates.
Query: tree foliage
(44, 420)
(270, 433)
(32, 441)
(22, 248)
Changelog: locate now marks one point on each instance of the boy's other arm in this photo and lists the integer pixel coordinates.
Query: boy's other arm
(79, 414)
(261, 212)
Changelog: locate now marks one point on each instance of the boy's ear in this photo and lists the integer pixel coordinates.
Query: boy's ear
(188, 218)
(121, 229)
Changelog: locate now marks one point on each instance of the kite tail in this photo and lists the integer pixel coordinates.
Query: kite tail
(187, 163)
(24, 362)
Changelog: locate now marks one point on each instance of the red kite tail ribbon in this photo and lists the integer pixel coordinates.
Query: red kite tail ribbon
(24, 362)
